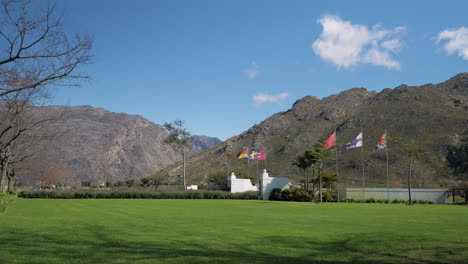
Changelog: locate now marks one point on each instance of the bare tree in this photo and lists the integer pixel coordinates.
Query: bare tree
(38, 51)
(59, 176)
(36, 55)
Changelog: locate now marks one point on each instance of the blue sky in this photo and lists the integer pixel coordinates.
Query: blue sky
(223, 66)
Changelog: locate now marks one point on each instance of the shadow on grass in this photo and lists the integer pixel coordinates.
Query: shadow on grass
(99, 246)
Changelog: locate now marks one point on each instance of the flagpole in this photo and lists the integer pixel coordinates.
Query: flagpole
(388, 178)
(257, 170)
(363, 179)
(336, 170)
(248, 161)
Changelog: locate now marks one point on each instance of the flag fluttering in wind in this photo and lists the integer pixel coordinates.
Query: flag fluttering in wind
(382, 142)
(330, 141)
(356, 143)
(257, 155)
(243, 155)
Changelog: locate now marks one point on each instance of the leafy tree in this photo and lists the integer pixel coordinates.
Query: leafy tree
(414, 150)
(329, 178)
(462, 190)
(305, 161)
(217, 180)
(145, 182)
(301, 161)
(322, 157)
(180, 138)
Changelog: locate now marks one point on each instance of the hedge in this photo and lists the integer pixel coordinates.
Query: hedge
(293, 194)
(106, 194)
(394, 201)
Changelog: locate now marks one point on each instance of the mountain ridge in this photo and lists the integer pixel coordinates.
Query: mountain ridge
(437, 110)
(98, 145)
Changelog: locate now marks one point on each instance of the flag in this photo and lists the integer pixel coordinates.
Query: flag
(356, 143)
(382, 142)
(330, 142)
(257, 155)
(243, 155)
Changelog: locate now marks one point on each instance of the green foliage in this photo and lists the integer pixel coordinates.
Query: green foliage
(292, 195)
(414, 149)
(241, 173)
(329, 178)
(329, 195)
(275, 195)
(460, 189)
(178, 134)
(217, 180)
(106, 194)
(6, 198)
(394, 201)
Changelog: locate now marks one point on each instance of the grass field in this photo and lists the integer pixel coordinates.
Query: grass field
(230, 231)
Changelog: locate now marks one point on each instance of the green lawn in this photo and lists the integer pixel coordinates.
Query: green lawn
(230, 231)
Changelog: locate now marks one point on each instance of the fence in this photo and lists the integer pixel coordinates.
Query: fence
(434, 195)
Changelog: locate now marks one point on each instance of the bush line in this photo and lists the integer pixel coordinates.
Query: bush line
(394, 201)
(137, 195)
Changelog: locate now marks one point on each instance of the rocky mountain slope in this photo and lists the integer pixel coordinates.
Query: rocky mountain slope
(96, 145)
(435, 114)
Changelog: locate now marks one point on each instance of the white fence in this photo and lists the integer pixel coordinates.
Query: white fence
(438, 196)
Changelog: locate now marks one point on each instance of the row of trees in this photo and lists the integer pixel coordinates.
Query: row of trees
(315, 159)
(37, 55)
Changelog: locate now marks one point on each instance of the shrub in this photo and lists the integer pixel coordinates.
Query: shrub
(275, 195)
(292, 194)
(5, 199)
(143, 194)
(329, 196)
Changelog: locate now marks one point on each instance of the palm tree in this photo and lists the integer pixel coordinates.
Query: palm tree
(301, 161)
(322, 157)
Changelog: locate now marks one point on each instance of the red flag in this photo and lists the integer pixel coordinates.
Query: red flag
(330, 142)
(258, 155)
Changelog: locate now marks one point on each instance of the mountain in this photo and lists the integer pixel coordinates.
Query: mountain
(434, 114)
(96, 145)
(201, 143)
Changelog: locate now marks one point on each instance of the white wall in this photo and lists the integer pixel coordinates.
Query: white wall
(240, 185)
(434, 195)
(270, 183)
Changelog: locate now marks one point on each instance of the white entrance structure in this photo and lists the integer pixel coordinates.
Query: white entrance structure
(267, 184)
(240, 185)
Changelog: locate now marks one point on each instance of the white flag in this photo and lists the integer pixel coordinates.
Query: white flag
(356, 143)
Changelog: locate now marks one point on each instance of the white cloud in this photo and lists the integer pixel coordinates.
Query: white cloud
(457, 41)
(252, 72)
(262, 98)
(348, 45)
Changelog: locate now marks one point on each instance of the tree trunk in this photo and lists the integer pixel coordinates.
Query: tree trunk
(2, 168)
(306, 187)
(314, 182)
(10, 183)
(183, 156)
(320, 182)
